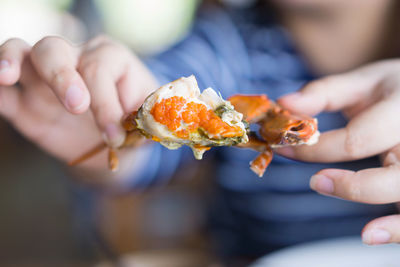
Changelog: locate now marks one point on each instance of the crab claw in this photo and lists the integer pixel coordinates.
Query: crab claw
(278, 127)
(281, 128)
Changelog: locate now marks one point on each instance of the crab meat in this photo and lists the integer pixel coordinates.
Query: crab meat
(178, 114)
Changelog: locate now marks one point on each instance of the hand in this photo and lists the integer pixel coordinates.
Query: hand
(370, 97)
(65, 97)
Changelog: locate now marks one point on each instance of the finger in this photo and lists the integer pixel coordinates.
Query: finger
(12, 54)
(101, 69)
(9, 102)
(135, 85)
(369, 133)
(134, 81)
(374, 186)
(382, 230)
(55, 61)
(336, 92)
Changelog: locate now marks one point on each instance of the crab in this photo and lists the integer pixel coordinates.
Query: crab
(178, 114)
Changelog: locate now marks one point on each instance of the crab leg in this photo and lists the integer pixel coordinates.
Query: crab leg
(261, 162)
(97, 149)
(113, 161)
(133, 137)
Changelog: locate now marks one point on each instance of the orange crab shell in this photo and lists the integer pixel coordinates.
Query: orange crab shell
(252, 107)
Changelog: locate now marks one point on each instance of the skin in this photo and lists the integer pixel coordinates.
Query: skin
(356, 28)
(113, 82)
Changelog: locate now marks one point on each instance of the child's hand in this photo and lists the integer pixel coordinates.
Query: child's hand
(370, 96)
(65, 97)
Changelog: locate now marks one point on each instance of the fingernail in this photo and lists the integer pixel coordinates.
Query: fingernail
(4, 65)
(114, 135)
(74, 97)
(376, 237)
(322, 184)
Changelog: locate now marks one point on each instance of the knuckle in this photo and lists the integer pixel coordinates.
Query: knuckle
(320, 84)
(109, 51)
(11, 42)
(60, 76)
(104, 45)
(106, 50)
(353, 143)
(322, 88)
(353, 188)
(394, 182)
(100, 39)
(104, 112)
(91, 69)
(97, 108)
(97, 41)
(49, 44)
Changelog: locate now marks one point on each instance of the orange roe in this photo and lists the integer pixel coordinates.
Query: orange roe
(172, 111)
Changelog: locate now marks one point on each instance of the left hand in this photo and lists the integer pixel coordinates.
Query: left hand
(370, 97)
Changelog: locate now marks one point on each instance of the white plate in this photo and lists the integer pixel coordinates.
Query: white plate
(341, 252)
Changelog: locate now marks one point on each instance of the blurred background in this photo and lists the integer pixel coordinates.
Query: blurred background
(47, 219)
(147, 26)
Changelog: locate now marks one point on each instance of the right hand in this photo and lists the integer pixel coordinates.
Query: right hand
(370, 97)
(64, 98)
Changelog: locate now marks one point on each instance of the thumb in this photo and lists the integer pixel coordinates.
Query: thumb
(333, 93)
